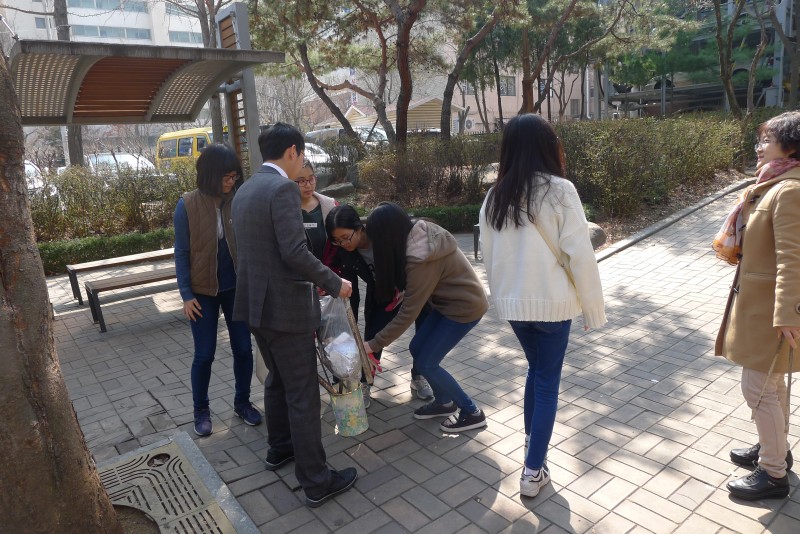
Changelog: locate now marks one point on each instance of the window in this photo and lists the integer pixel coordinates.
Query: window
(185, 146)
(84, 31)
(112, 32)
(467, 88)
(186, 37)
(173, 9)
(81, 3)
(508, 86)
(134, 6)
(41, 23)
(167, 149)
(137, 33)
(201, 142)
(575, 107)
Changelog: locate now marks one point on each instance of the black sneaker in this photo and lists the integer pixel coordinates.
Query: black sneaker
(341, 481)
(464, 421)
(276, 459)
(759, 485)
(431, 410)
(748, 457)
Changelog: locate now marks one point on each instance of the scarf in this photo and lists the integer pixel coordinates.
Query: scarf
(728, 241)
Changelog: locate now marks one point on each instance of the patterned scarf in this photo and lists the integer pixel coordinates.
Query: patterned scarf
(728, 241)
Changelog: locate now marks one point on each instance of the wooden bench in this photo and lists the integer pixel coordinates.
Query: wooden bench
(95, 287)
(73, 270)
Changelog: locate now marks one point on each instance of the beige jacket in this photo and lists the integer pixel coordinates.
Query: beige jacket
(766, 289)
(437, 272)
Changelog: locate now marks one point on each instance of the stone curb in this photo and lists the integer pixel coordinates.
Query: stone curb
(672, 219)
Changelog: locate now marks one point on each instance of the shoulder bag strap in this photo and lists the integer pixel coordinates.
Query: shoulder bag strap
(558, 257)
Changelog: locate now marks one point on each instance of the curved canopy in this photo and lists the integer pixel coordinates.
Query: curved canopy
(62, 82)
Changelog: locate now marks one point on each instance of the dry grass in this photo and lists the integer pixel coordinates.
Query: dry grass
(617, 229)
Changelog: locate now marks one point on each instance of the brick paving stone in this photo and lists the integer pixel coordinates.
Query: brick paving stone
(581, 506)
(590, 482)
(697, 524)
(447, 524)
(563, 517)
(716, 513)
(384, 492)
(406, 514)
(260, 510)
(784, 524)
(613, 524)
(612, 493)
(464, 490)
(287, 522)
(643, 516)
(659, 505)
(483, 517)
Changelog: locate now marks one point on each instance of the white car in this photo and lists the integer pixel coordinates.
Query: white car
(317, 156)
(115, 160)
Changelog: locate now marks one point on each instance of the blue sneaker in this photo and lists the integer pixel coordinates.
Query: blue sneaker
(202, 422)
(248, 413)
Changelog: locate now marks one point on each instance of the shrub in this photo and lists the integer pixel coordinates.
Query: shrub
(56, 255)
(83, 203)
(430, 172)
(452, 218)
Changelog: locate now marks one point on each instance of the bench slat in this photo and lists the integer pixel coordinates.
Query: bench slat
(130, 280)
(123, 260)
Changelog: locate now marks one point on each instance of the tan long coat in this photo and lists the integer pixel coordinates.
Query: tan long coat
(766, 291)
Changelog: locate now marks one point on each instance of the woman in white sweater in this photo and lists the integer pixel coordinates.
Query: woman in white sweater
(542, 271)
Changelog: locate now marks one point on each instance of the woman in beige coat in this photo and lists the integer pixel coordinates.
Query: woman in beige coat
(762, 317)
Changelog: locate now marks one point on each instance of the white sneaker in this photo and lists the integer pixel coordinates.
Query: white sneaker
(529, 485)
(365, 392)
(421, 386)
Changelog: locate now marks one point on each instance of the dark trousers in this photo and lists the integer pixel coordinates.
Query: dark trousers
(204, 332)
(292, 404)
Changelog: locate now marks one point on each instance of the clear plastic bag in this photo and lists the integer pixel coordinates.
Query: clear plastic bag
(341, 353)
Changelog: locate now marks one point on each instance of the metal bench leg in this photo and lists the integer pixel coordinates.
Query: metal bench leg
(76, 290)
(476, 234)
(97, 312)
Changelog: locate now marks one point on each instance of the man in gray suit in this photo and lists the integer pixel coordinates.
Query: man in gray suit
(275, 294)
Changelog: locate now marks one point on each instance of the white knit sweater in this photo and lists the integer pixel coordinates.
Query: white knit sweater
(526, 281)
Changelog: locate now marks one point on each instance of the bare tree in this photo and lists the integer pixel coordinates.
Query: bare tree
(48, 477)
(791, 47)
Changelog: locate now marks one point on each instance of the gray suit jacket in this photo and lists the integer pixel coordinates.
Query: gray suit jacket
(276, 272)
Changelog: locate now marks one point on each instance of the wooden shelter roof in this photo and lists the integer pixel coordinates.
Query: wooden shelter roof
(62, 82)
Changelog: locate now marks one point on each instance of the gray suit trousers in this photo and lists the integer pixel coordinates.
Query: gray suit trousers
(292, 404)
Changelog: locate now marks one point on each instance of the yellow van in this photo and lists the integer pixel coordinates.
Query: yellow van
(183, 144)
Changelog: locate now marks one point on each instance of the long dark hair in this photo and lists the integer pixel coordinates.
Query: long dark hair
(344, 216)
(388, 227)
(529, 153)
(215, 161)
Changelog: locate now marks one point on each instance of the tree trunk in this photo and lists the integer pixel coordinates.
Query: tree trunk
(483, 114)
(527, 78)
(405, 17)
(452, 78)
(74, 133)
(724, 38)
(47, 474)
(497, 84)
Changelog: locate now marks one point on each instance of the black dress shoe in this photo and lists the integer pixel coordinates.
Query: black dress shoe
(759, 485)
(749, 456)
(341, 481)
(276, 459)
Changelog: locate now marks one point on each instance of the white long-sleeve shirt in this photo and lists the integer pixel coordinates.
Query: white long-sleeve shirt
(525, 279)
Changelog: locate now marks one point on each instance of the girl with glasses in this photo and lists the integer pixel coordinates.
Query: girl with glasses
(315, 209)
(353, 258)
(205, 262)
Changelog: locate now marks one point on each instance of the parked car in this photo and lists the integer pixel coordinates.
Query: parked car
(321, 160)
(119, 160)
(33, 176)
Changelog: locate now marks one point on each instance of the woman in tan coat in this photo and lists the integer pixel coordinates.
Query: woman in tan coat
(762, 318)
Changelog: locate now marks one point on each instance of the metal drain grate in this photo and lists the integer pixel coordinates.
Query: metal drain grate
(163, 483)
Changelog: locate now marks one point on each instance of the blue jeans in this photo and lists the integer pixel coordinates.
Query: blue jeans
(545, 344)
(434, 338)
(204, 332)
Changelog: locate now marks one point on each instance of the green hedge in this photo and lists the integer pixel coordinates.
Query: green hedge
(452, 218)
(56, 255)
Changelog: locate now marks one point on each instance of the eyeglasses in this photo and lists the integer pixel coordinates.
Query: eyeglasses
(306, 181)
(762, 143)
(342, 242)
(230, 177)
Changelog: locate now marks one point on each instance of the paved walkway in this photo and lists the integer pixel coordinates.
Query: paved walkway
(646, 418)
